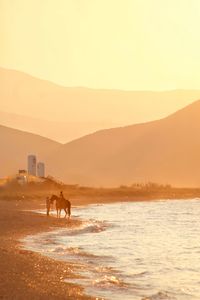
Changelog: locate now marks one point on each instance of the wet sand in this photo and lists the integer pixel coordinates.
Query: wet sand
(27, 275)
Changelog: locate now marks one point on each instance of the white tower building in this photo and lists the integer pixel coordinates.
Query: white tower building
(32, 165)
(41, 169)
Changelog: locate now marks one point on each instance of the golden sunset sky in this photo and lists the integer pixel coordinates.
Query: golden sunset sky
(112, 44)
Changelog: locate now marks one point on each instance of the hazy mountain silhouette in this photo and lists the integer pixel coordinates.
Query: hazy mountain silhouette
(63, 114)
(59, 131)
(163, 151)
(16, 145)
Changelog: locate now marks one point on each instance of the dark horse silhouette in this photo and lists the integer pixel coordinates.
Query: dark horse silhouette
(61, 203)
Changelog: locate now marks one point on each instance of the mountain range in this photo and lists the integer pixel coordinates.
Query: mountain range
(64, 114)
(165, 151)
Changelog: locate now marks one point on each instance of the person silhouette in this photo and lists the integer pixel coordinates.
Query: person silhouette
(48, 205)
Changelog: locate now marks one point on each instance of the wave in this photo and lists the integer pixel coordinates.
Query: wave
(78, 251)
(109, 282)
(91, 226)
(162, 295)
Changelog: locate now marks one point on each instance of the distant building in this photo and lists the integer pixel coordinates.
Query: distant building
(41, 169)
(22, 172)
(32, 161)
(22, 179)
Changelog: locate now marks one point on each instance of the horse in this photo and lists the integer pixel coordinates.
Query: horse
(61, 203)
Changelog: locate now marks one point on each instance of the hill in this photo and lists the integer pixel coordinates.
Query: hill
(65, 114)
(163, 151)
(16, 145)
(59, 131)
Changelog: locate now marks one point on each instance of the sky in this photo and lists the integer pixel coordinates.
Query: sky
(104, 44)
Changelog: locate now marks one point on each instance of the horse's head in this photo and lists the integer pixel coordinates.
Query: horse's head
(53, 198)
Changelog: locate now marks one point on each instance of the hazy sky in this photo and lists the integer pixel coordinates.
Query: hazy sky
(121, 44)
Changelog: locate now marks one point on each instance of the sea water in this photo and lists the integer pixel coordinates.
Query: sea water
(134, 250)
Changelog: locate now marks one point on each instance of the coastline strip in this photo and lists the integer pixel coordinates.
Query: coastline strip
(28, 274)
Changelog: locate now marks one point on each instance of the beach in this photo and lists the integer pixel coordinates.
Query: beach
(25, 274)
(48, 258)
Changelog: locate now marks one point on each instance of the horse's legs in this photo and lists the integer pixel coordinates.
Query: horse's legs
(69, 211)
(57, 213)
(48, 211)
(65, 212)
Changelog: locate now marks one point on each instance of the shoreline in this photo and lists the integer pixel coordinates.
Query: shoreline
(28, 274)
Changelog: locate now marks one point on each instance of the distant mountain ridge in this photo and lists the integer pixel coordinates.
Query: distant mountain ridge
(163, 151)
(59, 131)
(67, 113)
(166, 151)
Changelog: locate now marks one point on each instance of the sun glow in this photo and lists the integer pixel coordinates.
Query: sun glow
(135, 45)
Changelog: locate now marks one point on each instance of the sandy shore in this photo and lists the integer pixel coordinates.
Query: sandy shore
(27, 275)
